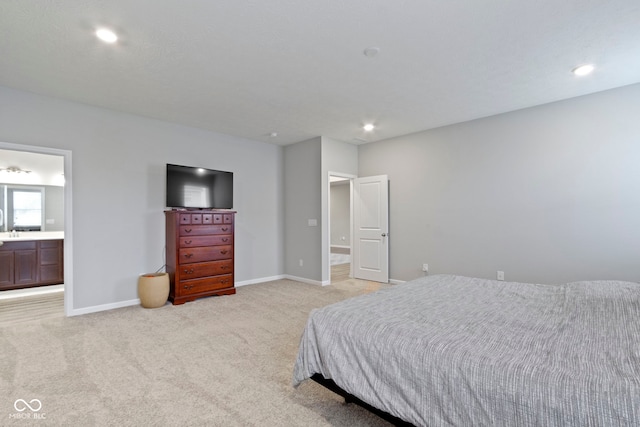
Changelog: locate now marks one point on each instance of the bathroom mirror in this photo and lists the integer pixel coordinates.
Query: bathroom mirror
(31, 208)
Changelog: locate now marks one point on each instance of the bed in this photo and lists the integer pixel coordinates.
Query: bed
(453, 350)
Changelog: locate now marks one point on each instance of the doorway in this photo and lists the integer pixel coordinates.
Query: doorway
(340, 227)
(48, 169)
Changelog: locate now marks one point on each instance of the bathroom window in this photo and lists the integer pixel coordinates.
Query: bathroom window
(27, 208)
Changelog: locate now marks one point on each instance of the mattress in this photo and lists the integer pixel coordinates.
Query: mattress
(452, 350)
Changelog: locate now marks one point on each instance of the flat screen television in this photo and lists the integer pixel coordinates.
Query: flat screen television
(198, 188)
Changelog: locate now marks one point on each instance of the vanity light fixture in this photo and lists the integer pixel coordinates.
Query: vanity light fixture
(368, 127)
(106, 35)
(583, 70)
(14, 169)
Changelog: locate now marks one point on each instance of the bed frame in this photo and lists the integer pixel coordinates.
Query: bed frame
(349, 398)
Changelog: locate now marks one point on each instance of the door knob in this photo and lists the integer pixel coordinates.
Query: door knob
(384, 234)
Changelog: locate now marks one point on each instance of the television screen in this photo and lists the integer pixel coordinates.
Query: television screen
(192, 187)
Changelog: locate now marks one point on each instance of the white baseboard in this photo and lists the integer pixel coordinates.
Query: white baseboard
(341, 246)
(111, 306)
(305, 280)
(280, 277)
(103, 307)
(260, 280)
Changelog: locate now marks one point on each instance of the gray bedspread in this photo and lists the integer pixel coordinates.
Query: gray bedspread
(451, 350)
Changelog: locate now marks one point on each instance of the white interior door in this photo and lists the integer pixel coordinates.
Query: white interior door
(371, 228)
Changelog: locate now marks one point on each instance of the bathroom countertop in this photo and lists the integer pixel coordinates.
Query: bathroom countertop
(31, 235)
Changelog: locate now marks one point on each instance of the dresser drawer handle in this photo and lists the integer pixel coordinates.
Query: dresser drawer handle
(225, 239)
(224, 267)
(188, 286)
(225, 228)
(187, 242)
(188, 230)
(189, 271)
(224, 252)
(188, 255)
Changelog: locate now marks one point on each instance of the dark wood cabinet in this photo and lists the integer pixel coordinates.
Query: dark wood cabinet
(29, 263)
(25, 262)
(6, 268)
(50, 266)
(200, 254)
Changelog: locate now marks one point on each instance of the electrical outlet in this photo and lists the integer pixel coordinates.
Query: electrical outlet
(301, 263)
(425, 268)
(500, 275)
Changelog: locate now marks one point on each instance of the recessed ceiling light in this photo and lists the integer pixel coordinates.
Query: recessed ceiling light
(273, 134)
(583, 70)
(368, 127)
(106, 35)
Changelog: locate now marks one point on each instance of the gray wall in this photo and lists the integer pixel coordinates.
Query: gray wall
(340, 213)
(547, 194)
(54, 208)
(306, 172)
(302, 202)
(337, 157)
(119, 183)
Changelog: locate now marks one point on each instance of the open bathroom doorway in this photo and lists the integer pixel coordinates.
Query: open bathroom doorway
(340, 234)
(35, 228)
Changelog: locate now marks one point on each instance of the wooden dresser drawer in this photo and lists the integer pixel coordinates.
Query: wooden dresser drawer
(200, 253)
(196, 286)
(212, 240)
(206, 218)
(204, 269)
(202, 230)
(207, 253)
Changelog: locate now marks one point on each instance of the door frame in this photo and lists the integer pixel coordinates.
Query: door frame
(68, 214)
(350, 177)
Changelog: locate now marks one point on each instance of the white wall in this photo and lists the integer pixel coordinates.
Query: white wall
(119, 183)
(547, 194)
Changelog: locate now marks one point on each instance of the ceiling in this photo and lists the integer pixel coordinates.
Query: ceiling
(253, 67)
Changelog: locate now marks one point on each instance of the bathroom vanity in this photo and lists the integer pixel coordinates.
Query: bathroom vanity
(29, 259)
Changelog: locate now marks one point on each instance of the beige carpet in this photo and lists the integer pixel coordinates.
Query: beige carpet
(219, 361)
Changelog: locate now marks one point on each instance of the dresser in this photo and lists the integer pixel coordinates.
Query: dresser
(199, 253)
